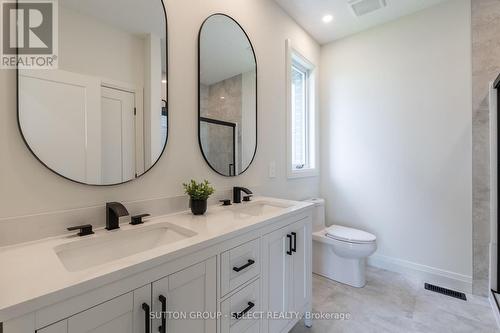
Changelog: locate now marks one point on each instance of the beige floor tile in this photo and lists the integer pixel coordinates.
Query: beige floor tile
(391, 302)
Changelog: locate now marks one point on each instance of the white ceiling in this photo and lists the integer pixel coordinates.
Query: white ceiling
(136, 17)
(308, 13)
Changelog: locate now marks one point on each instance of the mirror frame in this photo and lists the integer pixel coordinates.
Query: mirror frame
(256, 95)
(168, 119)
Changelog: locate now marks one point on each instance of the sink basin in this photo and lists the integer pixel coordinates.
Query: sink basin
(86, 253)
(259, 208)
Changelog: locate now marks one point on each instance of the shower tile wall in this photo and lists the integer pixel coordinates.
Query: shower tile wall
(222, 101)
(485, 67)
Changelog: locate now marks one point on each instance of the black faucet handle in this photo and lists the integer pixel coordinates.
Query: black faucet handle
(85, 229)
(137, 219)
(225, 202)
(247, 198)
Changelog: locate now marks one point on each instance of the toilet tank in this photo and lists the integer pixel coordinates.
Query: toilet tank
(318, 222)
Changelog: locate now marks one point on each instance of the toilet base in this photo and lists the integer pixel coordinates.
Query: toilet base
(344, 270)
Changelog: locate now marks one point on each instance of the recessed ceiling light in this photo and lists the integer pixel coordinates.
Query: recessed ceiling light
(327, 18)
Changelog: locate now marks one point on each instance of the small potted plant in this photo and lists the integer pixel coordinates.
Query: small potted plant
(198, 194)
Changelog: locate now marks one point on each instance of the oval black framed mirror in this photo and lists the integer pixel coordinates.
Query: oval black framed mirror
(101, 116)
(227, 96)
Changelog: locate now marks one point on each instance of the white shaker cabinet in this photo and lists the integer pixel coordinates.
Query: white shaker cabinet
(301, 269)
(123, 314)
(184, 296)
(287, 274)
(187, 292)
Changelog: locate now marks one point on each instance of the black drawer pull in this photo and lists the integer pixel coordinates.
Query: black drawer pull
(242, 313)
(249, 263)
(289, 252)
(147, 312)
(163, 301)
(294, 248)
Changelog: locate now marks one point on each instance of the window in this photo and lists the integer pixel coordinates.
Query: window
(300, 154)
(301, 117)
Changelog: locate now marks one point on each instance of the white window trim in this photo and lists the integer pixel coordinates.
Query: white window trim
(313, 171)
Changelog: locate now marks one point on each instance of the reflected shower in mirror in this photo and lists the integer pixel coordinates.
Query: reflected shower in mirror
(227, 96)
(101, 117)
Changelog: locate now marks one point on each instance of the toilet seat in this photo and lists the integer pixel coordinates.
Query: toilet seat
(349, 235)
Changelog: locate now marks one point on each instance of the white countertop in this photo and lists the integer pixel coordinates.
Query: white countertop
(32, 275)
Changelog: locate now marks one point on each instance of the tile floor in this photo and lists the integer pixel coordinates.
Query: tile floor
(391, 302)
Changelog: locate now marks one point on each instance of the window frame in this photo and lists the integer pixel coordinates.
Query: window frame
(295, 59)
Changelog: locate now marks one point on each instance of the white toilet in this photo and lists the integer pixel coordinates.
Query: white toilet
(339, 253)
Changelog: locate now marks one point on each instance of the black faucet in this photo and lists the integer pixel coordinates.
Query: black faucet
(114, 210)
(237, 193)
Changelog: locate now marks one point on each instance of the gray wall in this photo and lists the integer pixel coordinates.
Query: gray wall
(485, 68)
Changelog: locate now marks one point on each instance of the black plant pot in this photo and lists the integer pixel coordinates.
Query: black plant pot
(198, 207)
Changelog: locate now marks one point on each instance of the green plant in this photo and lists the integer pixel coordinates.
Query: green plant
(198, 191)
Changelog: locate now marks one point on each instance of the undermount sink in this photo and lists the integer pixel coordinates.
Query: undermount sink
(90, 252)
(259, 208)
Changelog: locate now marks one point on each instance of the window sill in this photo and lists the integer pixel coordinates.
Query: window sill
(293, 174)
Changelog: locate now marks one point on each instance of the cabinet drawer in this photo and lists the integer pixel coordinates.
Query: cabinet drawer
(236, 309)
(239, 265)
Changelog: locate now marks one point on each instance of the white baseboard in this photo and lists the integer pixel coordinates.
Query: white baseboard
(428, 274)
(494, 307)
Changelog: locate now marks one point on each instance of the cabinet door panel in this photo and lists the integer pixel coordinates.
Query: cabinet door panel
(141, 295)
(60, 327)
(300, 268)
(123, 314)
(276, 293)
(114, 316)
(192, 290)
(120, 324)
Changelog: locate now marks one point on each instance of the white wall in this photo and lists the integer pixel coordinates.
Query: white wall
(396, 133)
(91, 47)
(26, 187)
(247, 118)
(152, 100)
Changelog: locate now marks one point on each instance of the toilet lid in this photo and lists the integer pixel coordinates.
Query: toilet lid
(349, 234)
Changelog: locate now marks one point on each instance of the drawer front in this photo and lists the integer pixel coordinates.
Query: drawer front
(239, 265)
(238, 310)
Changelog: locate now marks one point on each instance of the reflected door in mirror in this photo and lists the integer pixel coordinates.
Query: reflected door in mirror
(101, 117)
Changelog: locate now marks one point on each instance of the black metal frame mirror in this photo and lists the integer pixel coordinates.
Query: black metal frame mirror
(227, 96)
(101, 117)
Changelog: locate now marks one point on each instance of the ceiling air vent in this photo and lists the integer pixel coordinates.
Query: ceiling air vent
(363, 7)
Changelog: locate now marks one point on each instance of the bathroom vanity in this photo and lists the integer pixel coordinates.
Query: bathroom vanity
(221, 272)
